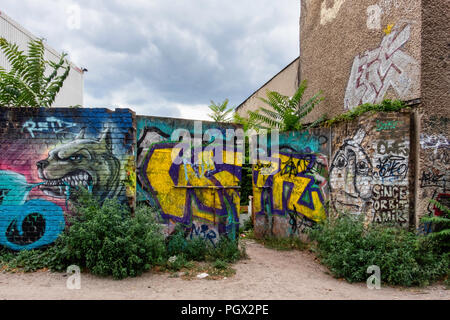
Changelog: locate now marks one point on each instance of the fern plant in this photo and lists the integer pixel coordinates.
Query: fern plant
(441, 225)
(247, 123)
(26, 83)
(286, 114)
(220, 112)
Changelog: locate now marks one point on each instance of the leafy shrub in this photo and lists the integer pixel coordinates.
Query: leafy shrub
(197, 249)
(248, 225)
(107, 240)
(220, 264)
(176, 263)
(348, 249)
(176, 242)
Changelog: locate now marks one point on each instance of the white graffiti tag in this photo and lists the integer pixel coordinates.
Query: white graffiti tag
(50, 125)
(376, 71)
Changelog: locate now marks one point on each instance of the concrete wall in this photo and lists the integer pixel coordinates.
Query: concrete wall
(200, 194)
(290, 194)
(360, 51)
(46, 154)
(285, 82)
(362, 167)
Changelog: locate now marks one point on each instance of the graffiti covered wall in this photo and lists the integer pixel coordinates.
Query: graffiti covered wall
(290, 192)
(200, 193)
(434, 178)
(47, 154)
(370, 168)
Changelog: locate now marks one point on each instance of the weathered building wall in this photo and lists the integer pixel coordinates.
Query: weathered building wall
(200, 194)
(370, 171)
(46, 154)
(290, 192)
(360, 52)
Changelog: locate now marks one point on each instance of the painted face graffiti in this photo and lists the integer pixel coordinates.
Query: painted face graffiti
(351, 176)
(83, 162)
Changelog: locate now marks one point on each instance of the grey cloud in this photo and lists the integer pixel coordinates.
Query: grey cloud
(179, 52)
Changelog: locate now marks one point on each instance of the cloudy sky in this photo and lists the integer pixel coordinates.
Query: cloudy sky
(167, 57)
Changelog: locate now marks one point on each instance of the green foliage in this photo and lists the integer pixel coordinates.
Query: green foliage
(385, 106)
(348, 249)
(227, 250)
(220, 113)
(441, 227)
(248, 123)
(107, 240)
(283, 244)
(246, 177)
(176, 263)
(26, 84)
(286, 114)
(246, 184)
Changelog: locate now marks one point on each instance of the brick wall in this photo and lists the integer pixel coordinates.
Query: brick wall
(46, 154)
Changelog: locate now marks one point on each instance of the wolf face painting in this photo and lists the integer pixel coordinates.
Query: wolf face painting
(83, 162)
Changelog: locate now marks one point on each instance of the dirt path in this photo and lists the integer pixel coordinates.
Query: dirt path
(268, 274)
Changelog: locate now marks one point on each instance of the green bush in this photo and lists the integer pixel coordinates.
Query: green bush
(348, 249)
(107, 240)
(385, 106)
(441, 227)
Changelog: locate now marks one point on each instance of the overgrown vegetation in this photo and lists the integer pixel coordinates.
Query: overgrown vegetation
(441, 227)
(105, 239)
(198, 249)
(348, 249)
(385, 106)
(220, 112)
(283, 244)
(32, 80)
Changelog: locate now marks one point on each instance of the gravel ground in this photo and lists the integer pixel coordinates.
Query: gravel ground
(267, 274)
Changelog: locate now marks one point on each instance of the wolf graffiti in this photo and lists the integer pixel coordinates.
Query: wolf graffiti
(83, 162)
